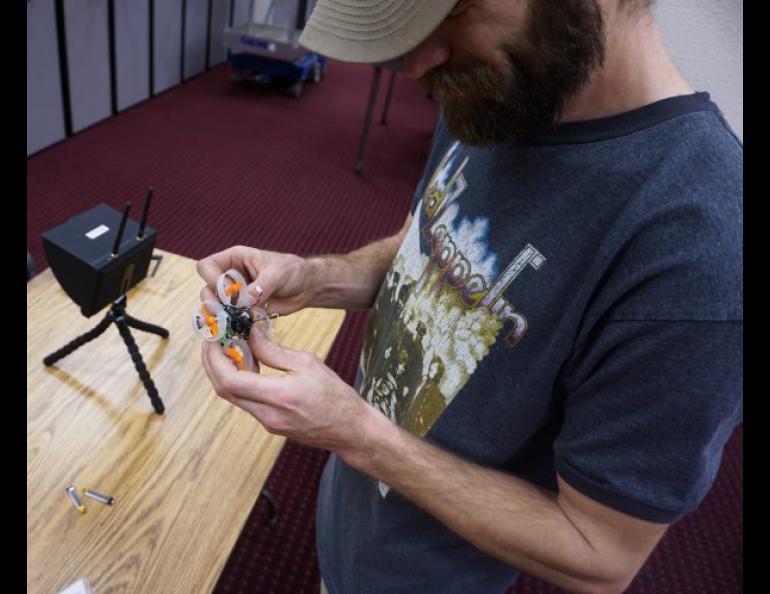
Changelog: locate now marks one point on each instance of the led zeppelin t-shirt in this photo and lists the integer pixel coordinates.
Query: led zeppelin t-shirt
(567, 304)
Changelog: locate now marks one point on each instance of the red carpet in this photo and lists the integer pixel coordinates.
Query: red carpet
(243, 165)
(233, 165)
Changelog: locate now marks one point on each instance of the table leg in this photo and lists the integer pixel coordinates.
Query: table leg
(391, 84)
(368, 119)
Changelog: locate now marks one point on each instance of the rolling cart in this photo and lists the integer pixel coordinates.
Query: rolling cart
(268, 53)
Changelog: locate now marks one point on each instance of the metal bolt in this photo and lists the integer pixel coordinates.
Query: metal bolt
(73, 495)
(105, 499)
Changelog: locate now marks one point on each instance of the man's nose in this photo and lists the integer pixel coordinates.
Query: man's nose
(430, 54)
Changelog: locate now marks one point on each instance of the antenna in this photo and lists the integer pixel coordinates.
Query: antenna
(119, 237)
(145, 212)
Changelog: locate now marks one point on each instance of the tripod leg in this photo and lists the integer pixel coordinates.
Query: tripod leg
(145, 327)
(78, 342)
(136, 357)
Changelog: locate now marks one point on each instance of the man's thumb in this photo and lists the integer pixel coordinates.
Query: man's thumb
(271, 353)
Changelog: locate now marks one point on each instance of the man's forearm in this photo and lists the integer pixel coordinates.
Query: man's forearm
(508, 518)
(351, 281)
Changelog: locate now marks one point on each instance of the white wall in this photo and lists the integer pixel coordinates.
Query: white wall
(45, 114)
(241, 11)
(132, 52)
(167, 71)
(88, 61)
(705, 39)
(196, 37)
(220, 15)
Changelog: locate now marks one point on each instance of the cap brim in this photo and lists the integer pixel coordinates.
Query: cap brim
(372, 32)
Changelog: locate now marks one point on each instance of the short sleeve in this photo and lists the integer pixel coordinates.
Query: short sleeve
(649, 406)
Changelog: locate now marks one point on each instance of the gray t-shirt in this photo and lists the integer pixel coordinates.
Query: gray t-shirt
(571, 303)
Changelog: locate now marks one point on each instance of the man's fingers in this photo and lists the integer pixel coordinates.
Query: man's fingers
(267, 415)
(242, 259)
(206, 364)
(276, 356)
(208, 295)
(231, 382)
(264, 285)
(239, 257)
(212, 266)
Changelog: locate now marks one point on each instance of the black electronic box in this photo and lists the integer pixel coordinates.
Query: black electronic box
(83, 259)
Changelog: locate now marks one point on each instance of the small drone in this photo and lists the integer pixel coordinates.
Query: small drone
(229, 320)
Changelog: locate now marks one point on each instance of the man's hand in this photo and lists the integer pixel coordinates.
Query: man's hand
(290, 282)
(283, 279)
(309, 404)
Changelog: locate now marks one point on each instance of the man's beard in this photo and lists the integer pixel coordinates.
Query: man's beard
(563, 45)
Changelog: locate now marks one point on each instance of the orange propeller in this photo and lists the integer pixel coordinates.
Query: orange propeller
(236, 356)
(234, 288)
(211, 321)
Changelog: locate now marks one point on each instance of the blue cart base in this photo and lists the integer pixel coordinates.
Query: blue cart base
(290, 75)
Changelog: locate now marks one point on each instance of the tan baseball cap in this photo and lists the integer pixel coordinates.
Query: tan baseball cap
(372, 31)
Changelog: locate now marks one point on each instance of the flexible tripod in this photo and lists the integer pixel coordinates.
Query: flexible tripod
(123, 321)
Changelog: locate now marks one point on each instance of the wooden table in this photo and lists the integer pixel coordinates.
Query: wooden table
(184, 482)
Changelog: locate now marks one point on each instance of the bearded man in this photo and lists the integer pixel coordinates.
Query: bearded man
(574, 252)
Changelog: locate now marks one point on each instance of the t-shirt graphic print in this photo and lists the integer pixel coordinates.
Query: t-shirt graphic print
(438, 314)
